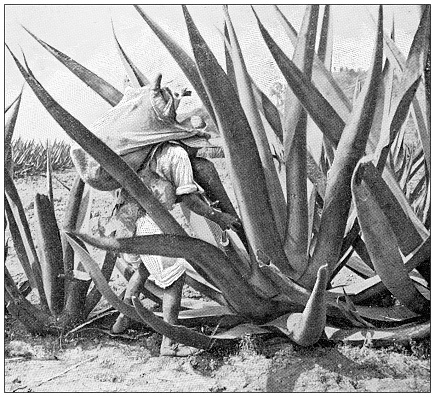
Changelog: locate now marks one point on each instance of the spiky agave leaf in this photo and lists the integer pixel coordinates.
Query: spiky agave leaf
(417, 58)
(98, 278)
(19, 246)
(295, 147)
(24, 229)
(320, 110)
(350, 149)
(322, 77)
(137, 78)
(203, 257)
(35, 320)
(100, 86)
(246, 171)
(409, 238)
(111, 162)
(9, 130)
(50, 252)
(247, 100)
(383, 248)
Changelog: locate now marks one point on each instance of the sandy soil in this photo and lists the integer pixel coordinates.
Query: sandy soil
(93, 361)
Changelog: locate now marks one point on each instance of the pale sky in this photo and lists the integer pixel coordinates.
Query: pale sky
(84, 33)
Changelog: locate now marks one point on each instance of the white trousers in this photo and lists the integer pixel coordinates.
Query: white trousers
(163, 271)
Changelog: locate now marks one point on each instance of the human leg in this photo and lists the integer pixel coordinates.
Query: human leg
(136, 281)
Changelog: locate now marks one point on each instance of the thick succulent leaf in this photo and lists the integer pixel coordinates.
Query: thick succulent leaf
(264, 104)
(373, 286)
(206, 289)
(383, 103)
(9, 130)
(248, 102)
(100, 86)
(324, 50)
(399, 113)
(383, 248)
(19, 245)
(49, 175)
(186, 63)
(24, 229)
(204, 258)
(319, 109)
(246, 171)
(322, 77)
(176, 333)
(228, 58)
(94, 294)
(110, 161)
(70, 222)
(137, 78)
(350, 149)
(415, 63)
(295, 148)
(303, 59)
(35, 320)
(100, 281)
(50, 252)
(403, 227)
(269, 110)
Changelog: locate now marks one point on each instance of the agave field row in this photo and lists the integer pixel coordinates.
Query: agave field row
(360, 201)
(30, 157)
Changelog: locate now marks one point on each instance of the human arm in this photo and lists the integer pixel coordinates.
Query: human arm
(226, 221)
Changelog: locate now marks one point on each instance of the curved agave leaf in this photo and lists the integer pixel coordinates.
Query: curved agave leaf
(100, 86)
(111, 162)
(35, 320)
(50, 251)
(247, 100)
(19, 245)
(320, 110)
(415, 64)
(99, 279)
(24, 229)
(264, 104)
(203, 257)
(175, 332)
(94, 294)
(49, 174)
(186, 63)
(228, 59)
(70, 222)
(295, 147)
(246, 171)
(383, 248)
(324, 51)
(322, 77)
(407, 235)
(136, 76)
(350, 149)
(9, 130)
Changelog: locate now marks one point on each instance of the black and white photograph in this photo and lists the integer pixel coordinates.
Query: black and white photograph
(216, 198)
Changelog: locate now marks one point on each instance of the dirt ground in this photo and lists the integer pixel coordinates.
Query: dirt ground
(92, 361)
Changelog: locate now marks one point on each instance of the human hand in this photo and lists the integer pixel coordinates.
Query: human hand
(227, 221)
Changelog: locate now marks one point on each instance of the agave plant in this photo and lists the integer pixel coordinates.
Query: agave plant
(305, 217)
